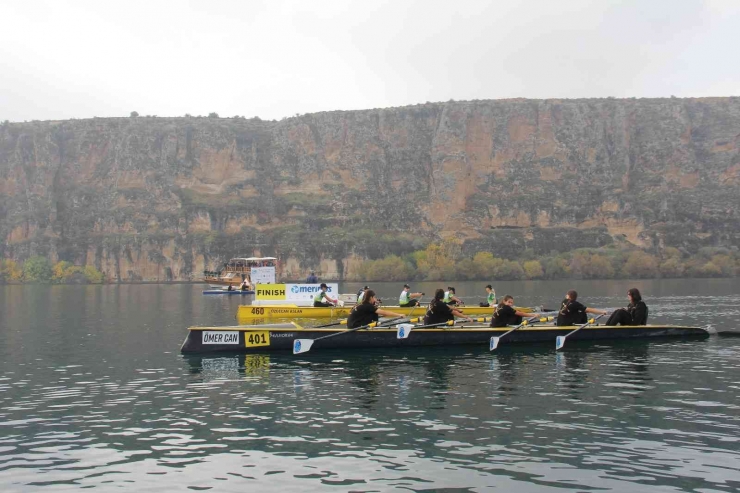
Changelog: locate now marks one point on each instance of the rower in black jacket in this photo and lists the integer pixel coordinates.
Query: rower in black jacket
(505, 313)
(574, 313)
(636, 312)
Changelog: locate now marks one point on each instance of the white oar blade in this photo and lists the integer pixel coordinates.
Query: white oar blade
(559, 342)
(403, 331)
(494, 343)
(302, 345)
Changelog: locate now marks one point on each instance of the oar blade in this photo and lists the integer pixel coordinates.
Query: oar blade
(559, 342)
(302, 345)
(494, 343)
(403, 331)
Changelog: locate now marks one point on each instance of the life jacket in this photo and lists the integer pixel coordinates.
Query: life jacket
(405, 298)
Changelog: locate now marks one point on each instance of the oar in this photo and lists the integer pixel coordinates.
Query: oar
(304, 345)
(418, 304)
(405, 329)
(560, 340)
(341, 322)
(495, 339)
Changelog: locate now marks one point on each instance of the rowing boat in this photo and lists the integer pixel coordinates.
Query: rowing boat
(224, 291)
(280, 337)
(250, 312)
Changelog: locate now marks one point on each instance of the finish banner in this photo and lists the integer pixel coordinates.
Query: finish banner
(293, 292)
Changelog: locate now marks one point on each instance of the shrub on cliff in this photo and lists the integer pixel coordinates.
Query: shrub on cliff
(37, 269)
(93, 275)
(64, 271)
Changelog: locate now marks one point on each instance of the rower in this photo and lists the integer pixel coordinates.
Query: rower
(230, 288)
(505, 313)
(450, 298)
(440, 312)
(490, 296)
(572, 312)
(321, 295)
(367, 312)
(361, 294)
(408, 299)
(636, 312)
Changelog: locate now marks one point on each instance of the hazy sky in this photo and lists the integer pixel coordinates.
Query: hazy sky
(79, 59)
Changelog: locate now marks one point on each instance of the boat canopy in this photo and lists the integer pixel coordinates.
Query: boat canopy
(251, 259)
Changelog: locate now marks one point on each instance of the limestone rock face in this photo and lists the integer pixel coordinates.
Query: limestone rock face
(165, 198)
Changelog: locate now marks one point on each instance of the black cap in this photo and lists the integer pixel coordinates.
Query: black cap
(451, 289)
(366, 287)
(323, 285)
(489, 286)
(406, 286)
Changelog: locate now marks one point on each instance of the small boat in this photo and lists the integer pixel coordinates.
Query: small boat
(226, 291)
(248, 312)
(282, 337)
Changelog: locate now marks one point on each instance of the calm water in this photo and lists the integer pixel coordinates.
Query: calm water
(94, 393)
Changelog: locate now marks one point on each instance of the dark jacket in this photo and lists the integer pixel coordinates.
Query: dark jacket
(638, 312)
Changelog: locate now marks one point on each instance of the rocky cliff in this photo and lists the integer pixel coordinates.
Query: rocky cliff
(165, 198)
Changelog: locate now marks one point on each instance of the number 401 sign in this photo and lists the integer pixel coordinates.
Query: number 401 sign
(254, 339)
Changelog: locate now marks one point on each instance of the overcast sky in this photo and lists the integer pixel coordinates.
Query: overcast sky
(272, 59)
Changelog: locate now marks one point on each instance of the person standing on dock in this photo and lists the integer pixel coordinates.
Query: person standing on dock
(367, 312)
(572, 312)
(244, 286)
(407, 299)
(450, 298)
(636, 312)
(320, 296)
(440, 312)
(505, 313)
(490, 296)
(312, 279)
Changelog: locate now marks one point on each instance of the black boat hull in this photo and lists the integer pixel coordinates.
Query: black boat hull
(254, 339)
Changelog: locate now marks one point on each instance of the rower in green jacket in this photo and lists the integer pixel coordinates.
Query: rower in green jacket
(407, 299)
(450, 297)
(490, 296)
(321, 295)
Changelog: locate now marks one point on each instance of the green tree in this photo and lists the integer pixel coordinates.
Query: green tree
(640, 265)
(509, 270)
(37, 269)
(134, 114)
(390, 268)
(601, 267)
(437, 262)
(726, 265)
(213, 115)
(10, 271)
(556, 268)
(533, 269)
(671, 268)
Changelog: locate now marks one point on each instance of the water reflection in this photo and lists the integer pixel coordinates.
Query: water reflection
(100, 398)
